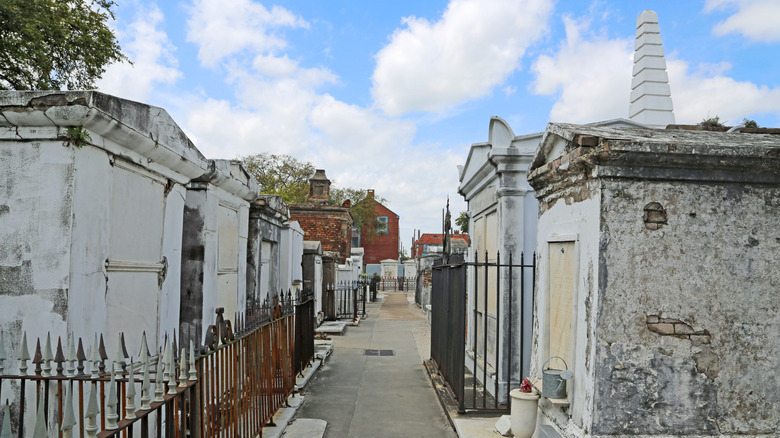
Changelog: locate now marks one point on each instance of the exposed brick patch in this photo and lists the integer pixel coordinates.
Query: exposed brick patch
(677, 328)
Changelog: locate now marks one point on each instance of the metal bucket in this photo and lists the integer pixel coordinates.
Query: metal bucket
(554, 381)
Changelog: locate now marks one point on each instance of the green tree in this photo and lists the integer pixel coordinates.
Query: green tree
(363, 209)
(280, 175)
(462, 221)
(288, 177)
(55, 44)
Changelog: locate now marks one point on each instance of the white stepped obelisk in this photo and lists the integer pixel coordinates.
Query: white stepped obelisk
(651, 97)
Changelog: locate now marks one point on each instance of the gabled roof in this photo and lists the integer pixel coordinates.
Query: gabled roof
(371, 198)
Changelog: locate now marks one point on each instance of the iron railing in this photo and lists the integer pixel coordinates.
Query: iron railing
(345, 300)
(401, 284)
(230, 388)
(501, 293)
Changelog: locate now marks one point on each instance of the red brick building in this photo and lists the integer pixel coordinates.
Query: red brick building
(329, 224)
(384, 244)
(433, 244)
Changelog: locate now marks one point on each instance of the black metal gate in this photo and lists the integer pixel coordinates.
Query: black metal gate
(345, 300)
(304, 329)
(499, 290)
(448, 325)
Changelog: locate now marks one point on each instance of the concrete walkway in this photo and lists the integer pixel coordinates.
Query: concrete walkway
(378, 395)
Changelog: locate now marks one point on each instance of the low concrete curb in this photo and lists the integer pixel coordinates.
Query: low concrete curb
(306, 428)
(465, 426)
(283, 416)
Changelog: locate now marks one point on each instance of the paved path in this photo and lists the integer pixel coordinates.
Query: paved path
(379, 396)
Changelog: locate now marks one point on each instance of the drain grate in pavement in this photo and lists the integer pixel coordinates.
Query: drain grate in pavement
(370, 352)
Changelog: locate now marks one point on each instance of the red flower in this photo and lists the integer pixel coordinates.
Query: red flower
(526, 386)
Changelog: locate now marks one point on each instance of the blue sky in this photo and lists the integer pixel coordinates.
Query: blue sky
(390, 95)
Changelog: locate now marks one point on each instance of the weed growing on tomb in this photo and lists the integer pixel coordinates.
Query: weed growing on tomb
(78, 136)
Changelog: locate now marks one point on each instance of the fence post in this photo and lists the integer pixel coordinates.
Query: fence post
(354, 302)
(365, 292)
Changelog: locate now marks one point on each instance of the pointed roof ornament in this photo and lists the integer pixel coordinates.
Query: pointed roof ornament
(651, 97)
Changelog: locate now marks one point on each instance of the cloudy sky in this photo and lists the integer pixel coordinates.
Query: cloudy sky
(389, 95)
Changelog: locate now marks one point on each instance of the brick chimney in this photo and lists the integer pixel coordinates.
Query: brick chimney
(319, 188)
(370, 193)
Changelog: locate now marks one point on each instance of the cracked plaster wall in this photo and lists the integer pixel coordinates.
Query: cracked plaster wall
(36, 196)
(712, 270)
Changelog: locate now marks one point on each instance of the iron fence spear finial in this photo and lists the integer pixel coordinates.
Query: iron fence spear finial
(70, 357)
(47, 357)
(81, 358)
(68, 416)
(5, 430)
(38, 357)
(172, 371)
(143, 354)
(92, 412)
(159, 377)
(111, 404)
(130, 393)
(193, 371)
(119, 357)
(183, 368)
(40, 420)
(103, 355)
(145, 387)
(94, 357)
(59, 357)
(24, 355)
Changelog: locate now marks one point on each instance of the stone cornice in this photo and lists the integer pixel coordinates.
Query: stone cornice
(143, 129)
(656, 155)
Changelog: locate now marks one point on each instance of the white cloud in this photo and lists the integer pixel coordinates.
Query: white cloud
(282, 106)
(590, 74)
(224, 28)
(433, 66)
(152, 55)
(754, 19)
(698, 96)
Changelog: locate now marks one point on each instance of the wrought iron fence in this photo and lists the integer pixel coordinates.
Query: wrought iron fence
(487, 359)
(402, 284)
(345, 300)
(231, 387)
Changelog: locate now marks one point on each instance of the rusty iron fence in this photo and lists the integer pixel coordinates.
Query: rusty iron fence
(345, 300)
(230, 387)
(402, 284)
(480, 373)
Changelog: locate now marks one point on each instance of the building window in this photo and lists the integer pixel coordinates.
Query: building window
(355, 237)
(382, 227)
